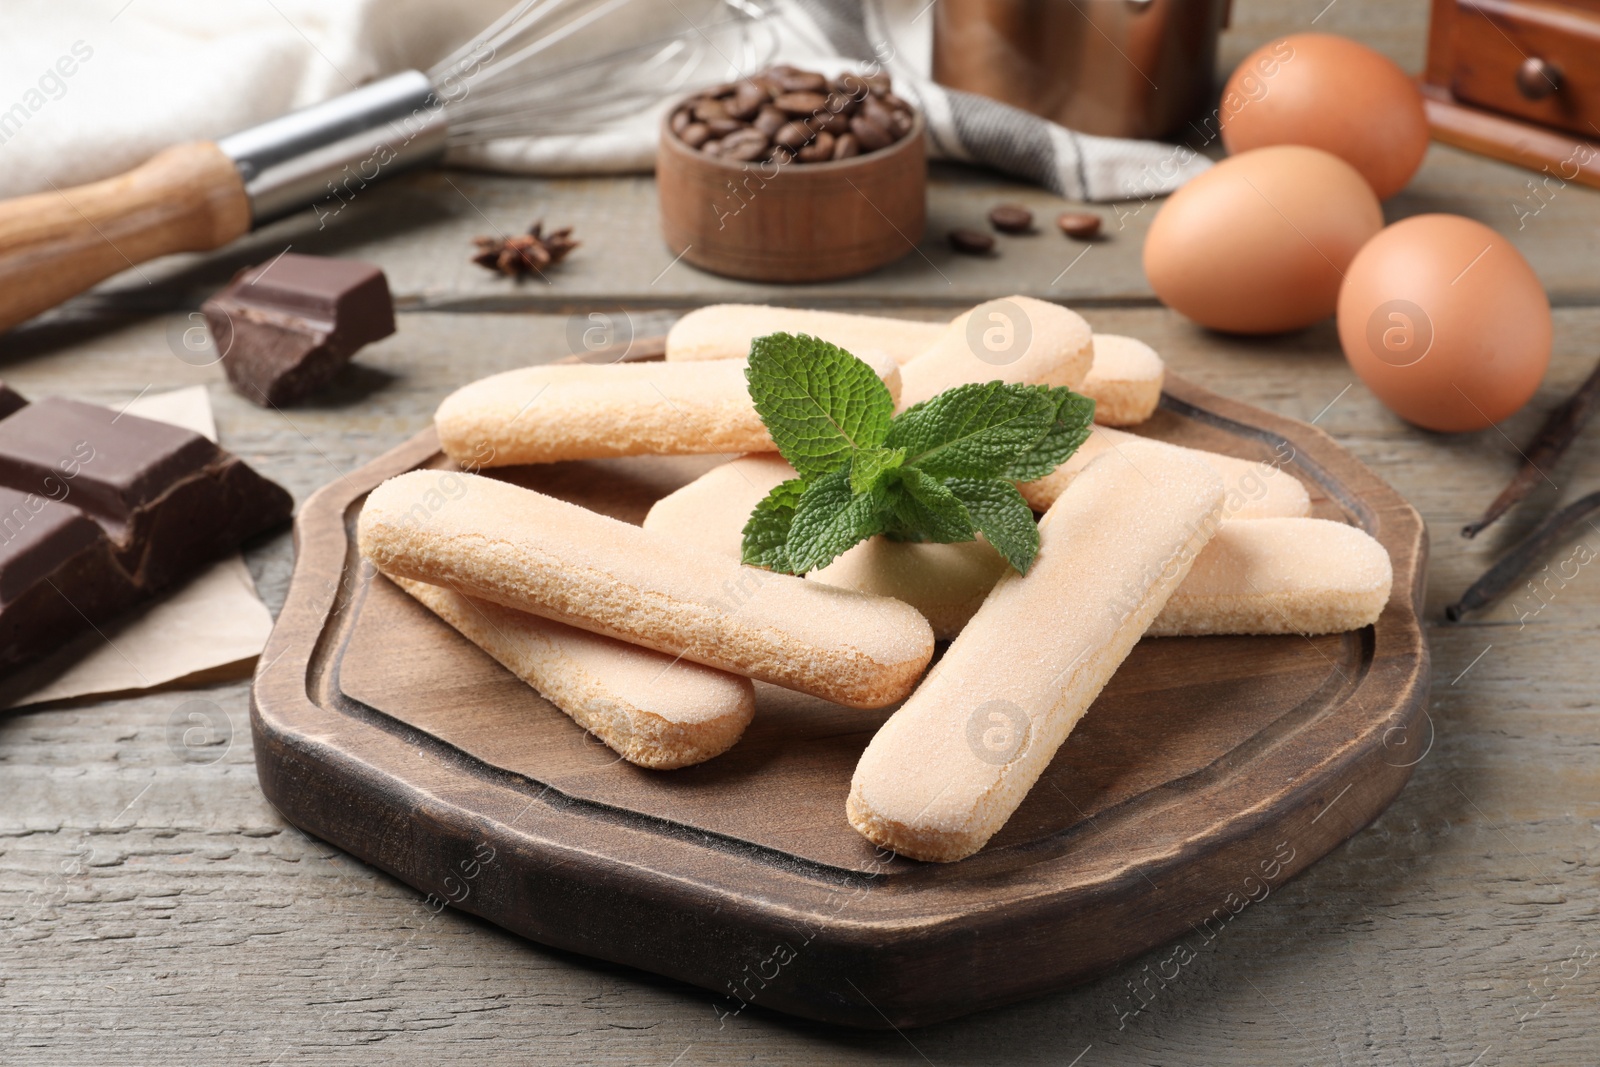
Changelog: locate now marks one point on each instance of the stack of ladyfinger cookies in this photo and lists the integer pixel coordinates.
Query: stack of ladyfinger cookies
(652, 636)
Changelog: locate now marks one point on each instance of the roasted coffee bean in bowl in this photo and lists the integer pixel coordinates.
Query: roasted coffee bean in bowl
(791, 176)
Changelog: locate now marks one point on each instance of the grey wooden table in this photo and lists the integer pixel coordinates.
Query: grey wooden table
(155, 909)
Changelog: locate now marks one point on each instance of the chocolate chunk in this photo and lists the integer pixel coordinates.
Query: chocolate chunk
(100, 510)
(285, 328)
(11, 401)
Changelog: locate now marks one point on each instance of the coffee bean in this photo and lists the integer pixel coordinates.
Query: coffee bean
(793, 135)
(769, 120)
(971, 242)
(873, 109)
(1011, 218)
(801, 103)
(785, 114)
(833, 122)
(747, 145)
(870, 134)
(747, 100)
(706, 109)
(818, 151)
(791, 80)
(1079, 224)
(843, 103)
(852, 86)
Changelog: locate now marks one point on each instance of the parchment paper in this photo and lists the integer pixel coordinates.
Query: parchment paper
(215, 625)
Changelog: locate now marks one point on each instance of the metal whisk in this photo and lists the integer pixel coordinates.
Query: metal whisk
(544, 67)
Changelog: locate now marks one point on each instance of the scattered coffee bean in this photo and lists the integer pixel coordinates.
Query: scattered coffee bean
(785, 114)
(1011, 218)
(1079, 224)
(971, 242)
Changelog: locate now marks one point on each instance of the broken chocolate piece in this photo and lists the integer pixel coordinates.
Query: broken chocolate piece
(286, 327)
(11, 401)
(99, 511)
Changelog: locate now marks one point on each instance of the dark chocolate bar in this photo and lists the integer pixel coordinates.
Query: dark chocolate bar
(99, 511)
(286, 327)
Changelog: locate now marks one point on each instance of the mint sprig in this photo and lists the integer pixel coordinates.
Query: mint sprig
(942, 471)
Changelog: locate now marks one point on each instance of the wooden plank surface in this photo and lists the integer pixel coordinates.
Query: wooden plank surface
(155, 909)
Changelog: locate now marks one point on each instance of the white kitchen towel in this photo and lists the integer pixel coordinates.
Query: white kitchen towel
(89, 88)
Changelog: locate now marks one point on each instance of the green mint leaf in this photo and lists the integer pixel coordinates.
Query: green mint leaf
(818, 401)
(830, 518)
(869, 466)
(973, 431)
(924, 510)
(767, 530)
(1002, 516)
(1073, 422)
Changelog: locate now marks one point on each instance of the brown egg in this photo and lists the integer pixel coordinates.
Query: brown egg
(1259, 243)
(1446, 322)
(1330, 93)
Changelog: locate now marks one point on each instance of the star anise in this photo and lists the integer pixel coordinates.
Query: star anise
(524, 254)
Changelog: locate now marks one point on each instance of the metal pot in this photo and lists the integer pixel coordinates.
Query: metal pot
(1120, 68)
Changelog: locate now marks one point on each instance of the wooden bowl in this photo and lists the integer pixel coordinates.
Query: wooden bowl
(800, 222)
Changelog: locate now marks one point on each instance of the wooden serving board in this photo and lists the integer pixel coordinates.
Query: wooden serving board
(1209, 772)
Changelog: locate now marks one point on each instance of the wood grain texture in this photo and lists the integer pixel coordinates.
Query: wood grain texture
(54, 245)
(800, 222)
(215, 931)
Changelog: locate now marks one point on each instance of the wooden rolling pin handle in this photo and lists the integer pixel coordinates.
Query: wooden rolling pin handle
(55, 245)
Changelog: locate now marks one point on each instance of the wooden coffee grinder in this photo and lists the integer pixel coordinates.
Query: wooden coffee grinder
(1518, 80)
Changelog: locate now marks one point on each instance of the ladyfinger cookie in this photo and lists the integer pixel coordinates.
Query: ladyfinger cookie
(524, 550)
(650, 709)
(578, 411)
(1017, 339)
(1281, 576)
(711, 511)
(948, 769)
(724, 331)
(1124, 381)
(1257, 489)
